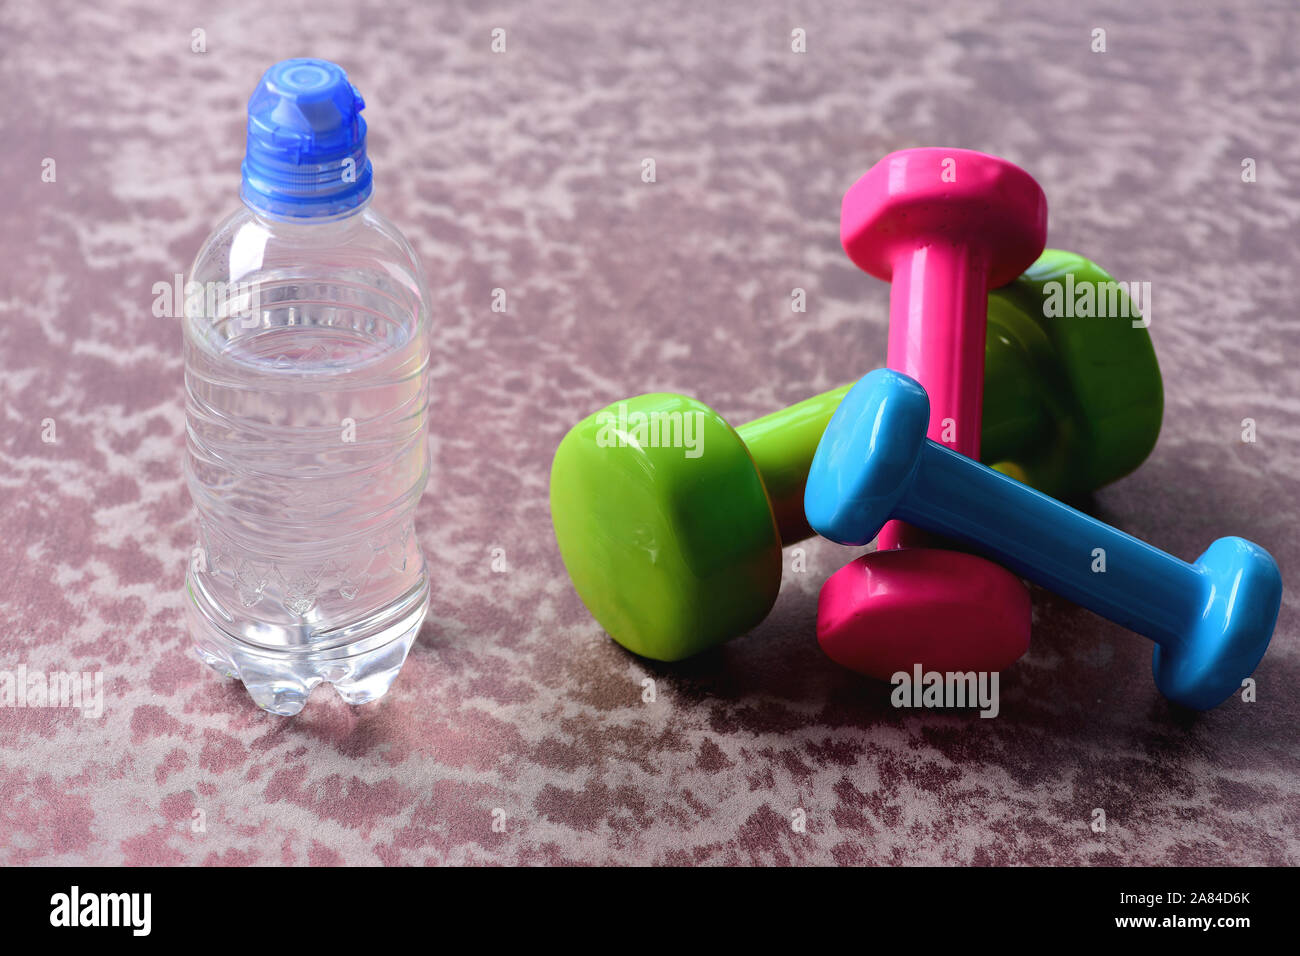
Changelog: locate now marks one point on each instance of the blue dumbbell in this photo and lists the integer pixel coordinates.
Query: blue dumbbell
(1211, 620)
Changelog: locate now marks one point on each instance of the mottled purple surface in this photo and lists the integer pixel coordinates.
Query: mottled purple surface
(521, 170)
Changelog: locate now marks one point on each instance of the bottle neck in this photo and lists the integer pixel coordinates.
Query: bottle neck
(289, 224)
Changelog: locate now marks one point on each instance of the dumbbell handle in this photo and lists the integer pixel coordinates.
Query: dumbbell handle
(782, 445)
(938, 316)
(1046, 541)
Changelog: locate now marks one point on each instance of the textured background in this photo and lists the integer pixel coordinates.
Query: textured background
(522, 170)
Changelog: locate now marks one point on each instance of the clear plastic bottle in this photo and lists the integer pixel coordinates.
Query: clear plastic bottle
(306, 354)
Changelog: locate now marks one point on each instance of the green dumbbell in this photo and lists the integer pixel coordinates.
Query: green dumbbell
(671, 523)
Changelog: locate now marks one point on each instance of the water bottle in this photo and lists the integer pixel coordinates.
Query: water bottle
(306, 354)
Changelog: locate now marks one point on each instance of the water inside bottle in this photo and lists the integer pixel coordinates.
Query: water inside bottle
(307, 454)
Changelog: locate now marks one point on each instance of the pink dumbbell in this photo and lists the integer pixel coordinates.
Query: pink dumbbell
(943, 227)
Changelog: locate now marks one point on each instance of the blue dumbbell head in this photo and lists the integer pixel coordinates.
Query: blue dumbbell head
(1211, 621)
(1243, 592)
(867, 457)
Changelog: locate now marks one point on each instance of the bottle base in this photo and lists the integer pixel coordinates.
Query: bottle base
(361, 662)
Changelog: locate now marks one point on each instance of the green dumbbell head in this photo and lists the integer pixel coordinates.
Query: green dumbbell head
(1072, 401)
(665, 526)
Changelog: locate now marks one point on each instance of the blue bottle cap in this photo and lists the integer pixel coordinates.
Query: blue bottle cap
(306, 155)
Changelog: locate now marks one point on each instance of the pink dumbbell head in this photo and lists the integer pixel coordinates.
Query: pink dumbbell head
(943, 227)
(980, 203)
